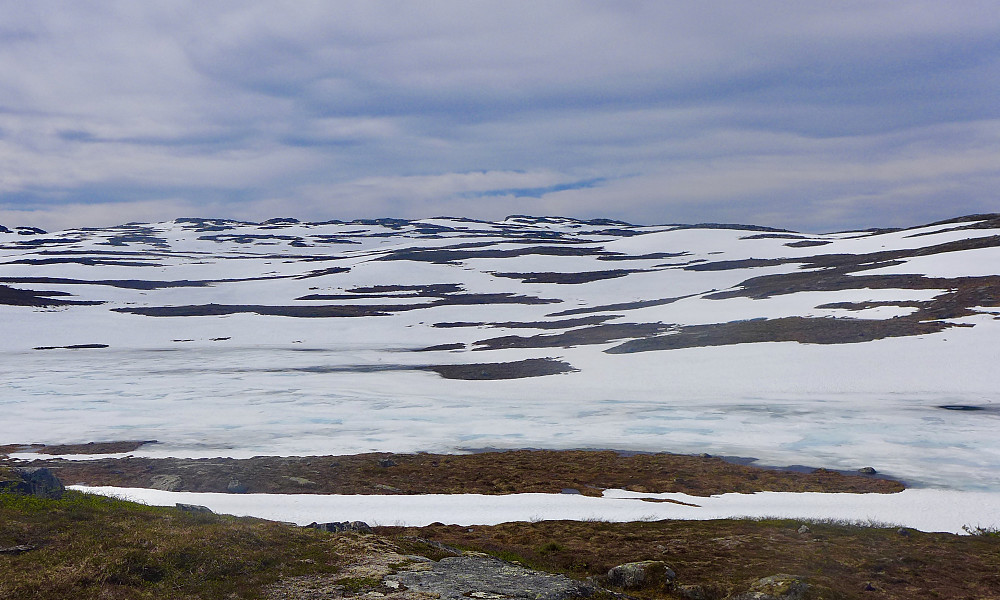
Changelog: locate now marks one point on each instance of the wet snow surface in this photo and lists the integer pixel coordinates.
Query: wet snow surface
(220, 338)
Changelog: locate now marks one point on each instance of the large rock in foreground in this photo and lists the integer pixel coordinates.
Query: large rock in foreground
(39, 482)
(471, 576)
(642, 574)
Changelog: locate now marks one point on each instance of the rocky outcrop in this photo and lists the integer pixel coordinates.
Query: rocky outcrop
(39, 482)
(197, 508)
(480, 576)
(342, 526)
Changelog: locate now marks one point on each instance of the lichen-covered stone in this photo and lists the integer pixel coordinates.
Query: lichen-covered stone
(776, 587)
(470, 576)
(193, 508)
(167, 483)
(642, 574)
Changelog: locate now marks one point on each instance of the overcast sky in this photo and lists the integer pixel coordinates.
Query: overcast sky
(815, 116)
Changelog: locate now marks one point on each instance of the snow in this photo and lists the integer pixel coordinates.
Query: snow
(916, 509)
(246, 384)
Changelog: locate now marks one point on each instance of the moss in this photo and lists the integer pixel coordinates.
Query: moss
(359, 584)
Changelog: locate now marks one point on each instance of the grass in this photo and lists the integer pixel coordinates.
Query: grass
(89, 546)
(95, 547)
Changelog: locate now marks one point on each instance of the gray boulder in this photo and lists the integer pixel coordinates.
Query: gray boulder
(193, 508)
(342, 526)
(642, 574)
(37, 481)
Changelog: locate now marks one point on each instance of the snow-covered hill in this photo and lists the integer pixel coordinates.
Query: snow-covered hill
(225, 338)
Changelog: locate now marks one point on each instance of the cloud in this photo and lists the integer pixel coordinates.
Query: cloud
(714, 111)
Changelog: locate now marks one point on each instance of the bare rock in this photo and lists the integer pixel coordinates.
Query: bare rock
(167, 483)
(36, 481)
(342, 526)
(21, 549)
(235, 487)
(473, 576)
(776, 587)
(193, 508)
(642, 574)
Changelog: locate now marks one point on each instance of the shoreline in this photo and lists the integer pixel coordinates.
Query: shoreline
(487, 471)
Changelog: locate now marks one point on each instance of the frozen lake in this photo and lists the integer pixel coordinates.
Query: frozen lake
(226, 339)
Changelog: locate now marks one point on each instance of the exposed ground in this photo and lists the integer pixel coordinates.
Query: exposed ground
(587, 471)
(87, 546)
(719, 557)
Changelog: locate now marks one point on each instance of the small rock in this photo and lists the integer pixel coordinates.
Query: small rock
(299, 480)
(235, 487)
(342, 526)
(17, 549)
(691, 592)
(646, 573)
(776, 587)
(386, 462)
(193, 508)
(870, 588)
(903, 531)
(867, 471)
(804, 529)
(167, 483)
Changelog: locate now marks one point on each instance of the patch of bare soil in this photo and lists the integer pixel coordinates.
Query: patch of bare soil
(453, 255)
(568, 278)
(615, 307)
(518, 369)
(598, 334)
(714, 559)
(333, 310)
(559, 324)
(805, 330)
(547, 471)
(17, 297)
(95, 447)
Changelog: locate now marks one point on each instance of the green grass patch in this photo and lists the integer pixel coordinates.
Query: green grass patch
(89, 546)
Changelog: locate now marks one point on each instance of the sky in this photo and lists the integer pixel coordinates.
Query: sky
(814, 116)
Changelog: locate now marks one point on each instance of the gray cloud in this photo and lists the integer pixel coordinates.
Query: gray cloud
(806, 115)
